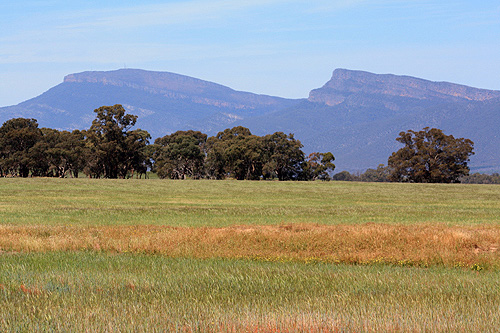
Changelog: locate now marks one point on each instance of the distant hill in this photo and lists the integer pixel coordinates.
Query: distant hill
(356, 115)
(165, 102)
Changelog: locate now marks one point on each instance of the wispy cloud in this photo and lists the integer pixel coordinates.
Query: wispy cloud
(334, 6)
(73, 35)
(166, 14)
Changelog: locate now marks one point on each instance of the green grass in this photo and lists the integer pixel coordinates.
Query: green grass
(101, 291)
(223, 203)
(96, 291)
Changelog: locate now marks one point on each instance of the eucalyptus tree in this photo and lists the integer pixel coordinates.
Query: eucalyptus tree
(17, 138)
(114, 148)
(430, 156)
(180, 155)
(283, 156)
(234, 152)
(318, 166)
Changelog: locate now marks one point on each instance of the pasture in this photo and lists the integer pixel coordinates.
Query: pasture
(81, 254)
(91, 202)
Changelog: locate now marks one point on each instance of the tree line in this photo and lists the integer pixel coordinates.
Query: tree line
(111, 149)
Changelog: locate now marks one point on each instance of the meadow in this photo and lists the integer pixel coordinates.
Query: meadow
(115, 255)
(90, 202)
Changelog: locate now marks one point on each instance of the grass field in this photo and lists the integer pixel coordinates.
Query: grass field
(115, 255)
(217, 204)
(97, 291)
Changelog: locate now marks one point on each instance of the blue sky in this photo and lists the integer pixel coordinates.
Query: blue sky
(275, 47)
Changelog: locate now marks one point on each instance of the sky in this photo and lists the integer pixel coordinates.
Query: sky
(274, 47)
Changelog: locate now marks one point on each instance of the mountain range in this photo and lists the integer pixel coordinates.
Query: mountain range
(356, 115)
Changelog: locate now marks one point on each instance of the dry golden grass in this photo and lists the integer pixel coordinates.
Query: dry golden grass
(370, 243)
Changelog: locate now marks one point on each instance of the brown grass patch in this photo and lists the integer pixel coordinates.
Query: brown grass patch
(420, 245)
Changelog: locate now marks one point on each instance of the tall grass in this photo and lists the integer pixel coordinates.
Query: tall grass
(137, 255)
(404, 245)
(86, 202)
(98, 291)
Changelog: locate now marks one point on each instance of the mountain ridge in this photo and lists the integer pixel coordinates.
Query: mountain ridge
(349, 81)
(356, 115)
(170, 84)
(159, 98)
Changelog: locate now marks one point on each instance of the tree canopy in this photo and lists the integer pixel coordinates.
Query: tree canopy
(114, 149)
(319, 166)
(284, 157)
(111, 148)
(430, 156)
(17, 138)
(180, 155)
(234, 152)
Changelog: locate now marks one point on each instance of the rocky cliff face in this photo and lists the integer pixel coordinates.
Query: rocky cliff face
(345, 83)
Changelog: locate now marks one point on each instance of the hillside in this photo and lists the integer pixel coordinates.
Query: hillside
(356, 115)
(165, 102)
